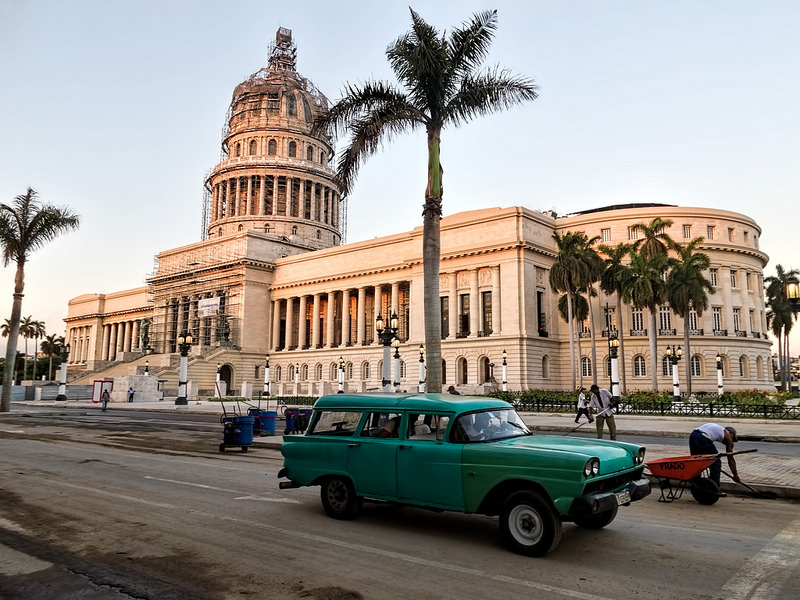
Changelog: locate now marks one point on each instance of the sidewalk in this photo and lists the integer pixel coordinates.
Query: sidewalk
(767, 473)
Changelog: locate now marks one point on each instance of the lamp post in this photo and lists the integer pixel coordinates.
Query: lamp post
(146, 368)
(386, 335)
(266, 378)
(297, 374)
(421, 388)
(613, 349)
(674, 356)
(720, 387)
(341, 376)
(793, 293)
(505, 371)
(396, 346)
(62, 386)
(184, 344)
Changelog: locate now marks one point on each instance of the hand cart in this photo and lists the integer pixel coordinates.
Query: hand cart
(236, 430)
(687, 471)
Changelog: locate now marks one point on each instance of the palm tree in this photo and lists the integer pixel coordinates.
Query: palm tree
(655, 239)
(644, 287)
(687, 290)
(440, 85)
(51, 346)
(25, 226)
(610, 280)
(26, 331)
(579, 310)
(594, 271)
(37, 330)
(780, 316)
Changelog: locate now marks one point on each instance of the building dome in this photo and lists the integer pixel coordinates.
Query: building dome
(274, 175)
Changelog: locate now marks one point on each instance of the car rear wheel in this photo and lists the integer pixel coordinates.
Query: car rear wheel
(597, 521)
(528, 525)
(339, 498)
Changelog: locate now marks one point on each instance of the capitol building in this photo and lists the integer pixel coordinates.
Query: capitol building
(272, 276)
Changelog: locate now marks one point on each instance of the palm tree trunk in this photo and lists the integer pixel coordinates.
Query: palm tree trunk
(621, 343)
(579, 361)
(11, 348)
(594, 346)
(688, 354)
(431, 259)
(570, 327)
(653, 350)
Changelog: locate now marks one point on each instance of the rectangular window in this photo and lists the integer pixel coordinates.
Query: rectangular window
(486, 298)
(428, 427)
(633, 234)
(692, 319)
(384, 425)
(710, 232)
(687, 232)
(445, 302)
(336, 423)
(712, 275)
(695, 365)
(637, 319)
(610, 318)
(736, 319)
(731, 234)
(747, 280)
(664, 319)
(606, 235)
(733, 278)
(746, 235)
(716, 318)
(463, 316)
(752, 320)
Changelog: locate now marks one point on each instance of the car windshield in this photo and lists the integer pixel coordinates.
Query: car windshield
(489, 425)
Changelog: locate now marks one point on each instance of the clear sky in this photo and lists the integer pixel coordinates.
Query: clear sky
(115, 109)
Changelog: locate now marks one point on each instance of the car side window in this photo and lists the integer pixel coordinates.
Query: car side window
(339, 423)
(427, 426)
(381, 424)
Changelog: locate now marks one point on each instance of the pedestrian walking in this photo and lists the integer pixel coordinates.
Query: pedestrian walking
(104, 399)
(702, 441)
(130, 394)
(583, 406)
(601, 403)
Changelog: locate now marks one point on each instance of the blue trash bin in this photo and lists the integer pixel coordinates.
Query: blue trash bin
(237, 431)
(290, 414)
(268, 421)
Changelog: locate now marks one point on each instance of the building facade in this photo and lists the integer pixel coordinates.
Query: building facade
(271, 276)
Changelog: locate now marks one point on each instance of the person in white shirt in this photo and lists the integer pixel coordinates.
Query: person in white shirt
(583, 406)
(601, 403)
(702, 441)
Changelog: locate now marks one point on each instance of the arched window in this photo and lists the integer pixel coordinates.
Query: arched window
(238, 151)
(278, 371)
(695, 366)
(253, 147)
(759, 368)
(403, 374)
(294, 229)
(319, 234)
(240, 228)
(272, 147)
(293, 149)
(461, 371)
(334, 372)
(322, 157)
(304, 373)
(365, 371)
(219, 232)
(545, 367)
(309, 153)
(744, 366)
(292, 102)
(266, 227)
(666, 368)
(319, 372)
(639, 366)
(608, 367)
(348, 370)
(586, 366)
(484, 371)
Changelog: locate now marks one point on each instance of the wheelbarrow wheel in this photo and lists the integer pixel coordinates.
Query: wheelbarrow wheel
(704, 490)
(597, 521)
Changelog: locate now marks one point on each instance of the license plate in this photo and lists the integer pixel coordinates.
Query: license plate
(623, 497)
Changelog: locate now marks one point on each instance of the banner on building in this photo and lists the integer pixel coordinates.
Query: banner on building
(208, 307)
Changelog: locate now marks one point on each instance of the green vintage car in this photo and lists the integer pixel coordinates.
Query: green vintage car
(468, 454)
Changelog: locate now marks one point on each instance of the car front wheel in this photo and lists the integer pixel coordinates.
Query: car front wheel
(528, 525)
(339, 498)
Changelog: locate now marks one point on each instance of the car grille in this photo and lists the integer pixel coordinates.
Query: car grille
(612, 483)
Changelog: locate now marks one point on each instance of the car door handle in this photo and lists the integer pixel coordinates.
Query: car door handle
(354, 444)
(404, 446)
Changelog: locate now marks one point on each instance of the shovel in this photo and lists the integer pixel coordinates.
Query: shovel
(768, 495)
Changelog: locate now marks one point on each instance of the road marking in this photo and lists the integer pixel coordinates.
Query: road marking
(219, 489)
(269, 499)
(13, 563)
(763, 576)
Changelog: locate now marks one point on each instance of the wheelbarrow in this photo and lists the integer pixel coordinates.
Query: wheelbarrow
(687, 472)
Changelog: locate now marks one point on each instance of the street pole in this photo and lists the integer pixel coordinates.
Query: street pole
(505, 371)
(720, 387)
(184, 344)
(421, 388)
(613, 347)
(674, 356)
(62, 386)
(341, 376)
(396, 346)
(386, 335)
(266, 379)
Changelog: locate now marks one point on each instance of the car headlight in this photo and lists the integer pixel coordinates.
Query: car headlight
(592, 467)
(639, 458)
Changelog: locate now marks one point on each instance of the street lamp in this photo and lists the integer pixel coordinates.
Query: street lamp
(297, 374)
(674, 356)
(217, 381)
(720, 387)
(266, 378)
(793, 292)
(396, 346)
(386, 335)
(421, 388)
(146, 368)
(184, 344)
(341, 376)
(613, 349)
(62, 386)
(505, 371)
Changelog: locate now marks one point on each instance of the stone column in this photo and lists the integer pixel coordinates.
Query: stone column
(361, 316)
(228, 197)
(378, 296)
(276, 325)
(104, 346)
(474, 304)
(315, 332)
(248, 201)
(112, 343)
(331, 321)
(346, 318)
(289, 323)
(262, 195)
(497, 322)
(275, 194)
(303, 324)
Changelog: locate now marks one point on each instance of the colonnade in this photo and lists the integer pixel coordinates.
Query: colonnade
(120, 337)
(274, 195)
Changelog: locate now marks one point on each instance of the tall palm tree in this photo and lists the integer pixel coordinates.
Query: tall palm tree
(51, 346)
(26, 331)
(441, 83)
(594, 271)
(644, 287)
(25, 226)
(780, 317)
(610, 284)
(687, 290)
(579, 310)
(37, 330)
(655, 239)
